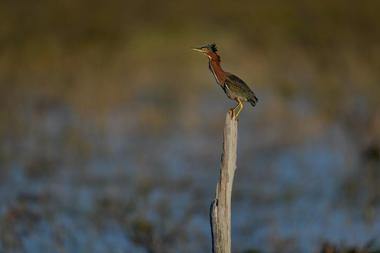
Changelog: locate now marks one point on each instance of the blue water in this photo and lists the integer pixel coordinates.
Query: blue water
(289, 193)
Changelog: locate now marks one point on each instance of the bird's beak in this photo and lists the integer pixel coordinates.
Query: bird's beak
(198, 50)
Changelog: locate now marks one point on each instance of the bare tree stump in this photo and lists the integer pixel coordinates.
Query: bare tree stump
(220, 209)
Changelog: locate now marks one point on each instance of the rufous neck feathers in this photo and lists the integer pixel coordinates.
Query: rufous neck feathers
(216, 68)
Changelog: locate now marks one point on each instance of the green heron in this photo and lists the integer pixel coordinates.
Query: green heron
(235, 88)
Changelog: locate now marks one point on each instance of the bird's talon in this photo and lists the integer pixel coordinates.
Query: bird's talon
(232, 113)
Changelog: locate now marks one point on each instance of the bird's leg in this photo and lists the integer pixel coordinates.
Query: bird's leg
(237, 109)
(240, 108)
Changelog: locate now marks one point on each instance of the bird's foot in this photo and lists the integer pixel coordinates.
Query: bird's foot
(233, 113)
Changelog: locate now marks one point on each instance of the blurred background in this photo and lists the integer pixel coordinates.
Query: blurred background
(111, 127)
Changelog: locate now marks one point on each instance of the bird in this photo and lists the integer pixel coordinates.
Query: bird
(234, 87)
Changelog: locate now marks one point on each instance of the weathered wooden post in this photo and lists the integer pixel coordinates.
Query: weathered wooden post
(220, 209)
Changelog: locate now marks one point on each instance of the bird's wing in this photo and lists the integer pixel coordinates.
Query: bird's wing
(235, 84)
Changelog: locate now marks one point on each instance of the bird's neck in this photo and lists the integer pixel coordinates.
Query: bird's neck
(217, 71)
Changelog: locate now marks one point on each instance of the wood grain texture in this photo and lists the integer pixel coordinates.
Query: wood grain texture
(220, 210)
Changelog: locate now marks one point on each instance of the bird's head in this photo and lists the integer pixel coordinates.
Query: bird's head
(208, 50)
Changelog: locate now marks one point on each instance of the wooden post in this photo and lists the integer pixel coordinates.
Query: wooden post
(220, 209)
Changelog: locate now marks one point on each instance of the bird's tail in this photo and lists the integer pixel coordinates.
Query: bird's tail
(253, 100)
